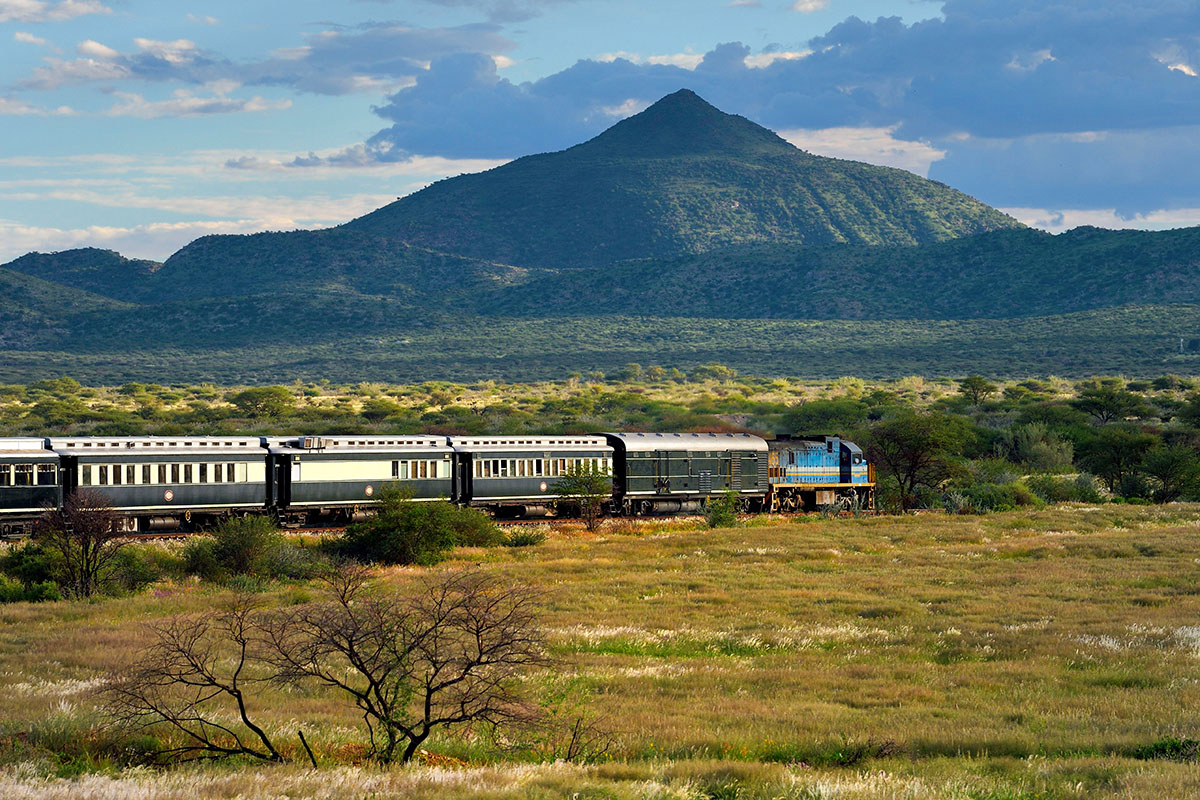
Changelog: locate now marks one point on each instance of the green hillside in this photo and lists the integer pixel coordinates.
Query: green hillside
(1016, 273)
(35, 312)
(681, 177)
(104, 272)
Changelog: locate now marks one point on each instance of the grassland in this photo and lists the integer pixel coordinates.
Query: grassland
(160, 347)
(1015, 655)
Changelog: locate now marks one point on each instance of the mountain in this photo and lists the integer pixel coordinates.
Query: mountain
(104, 272)
(680, 177)
(1002, 274)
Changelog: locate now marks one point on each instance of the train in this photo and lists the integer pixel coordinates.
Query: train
(188, 483)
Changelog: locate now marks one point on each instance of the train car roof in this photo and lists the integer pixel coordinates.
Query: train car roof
(26, 446)
(514, 444)
(301, 445)
(157, 445)
(646, 442)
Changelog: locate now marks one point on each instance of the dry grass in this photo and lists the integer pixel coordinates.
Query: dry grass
(1015, 655)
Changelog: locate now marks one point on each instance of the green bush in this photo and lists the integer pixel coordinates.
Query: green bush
(12, 591)
(524, 538)
(136, 567)
(31, 563)
(247, 546)
(987, 497)
(1081, 489)
(721, 512)
(404, 531)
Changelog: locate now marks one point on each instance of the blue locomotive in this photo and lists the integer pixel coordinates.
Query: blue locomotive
(188, 483)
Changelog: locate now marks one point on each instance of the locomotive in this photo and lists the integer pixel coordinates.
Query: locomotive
(191, 482)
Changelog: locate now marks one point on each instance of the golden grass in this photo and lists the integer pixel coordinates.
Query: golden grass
(1012, 655)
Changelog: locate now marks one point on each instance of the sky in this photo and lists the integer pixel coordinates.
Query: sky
(138, 126)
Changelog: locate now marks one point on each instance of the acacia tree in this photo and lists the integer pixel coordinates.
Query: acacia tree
(86, 534)
(977, 388)
(452, 655)
(915, 450)
(1175, 470)
(586, 488)
(191, 677)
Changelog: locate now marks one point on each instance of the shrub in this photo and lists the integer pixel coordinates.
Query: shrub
(722, 511)
(134, 568)
(30, 563)
(404, 531)
(525, 538)
(249, 546)
(1081, 489)
(1000, 497)
(12, 591)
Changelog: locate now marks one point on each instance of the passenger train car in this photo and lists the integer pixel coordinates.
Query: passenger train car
(188, 483)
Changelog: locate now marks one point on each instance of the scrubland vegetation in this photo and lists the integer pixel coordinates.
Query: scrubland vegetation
(1046, 653)
(1029, 632)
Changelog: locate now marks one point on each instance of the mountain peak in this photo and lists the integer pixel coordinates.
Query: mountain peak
(683, 123)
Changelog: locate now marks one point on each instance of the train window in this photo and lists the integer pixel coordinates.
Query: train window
(162, 473)
(218, 473)
(85, 475)
(47, 475)
(829, 447)
(104, 475)
(229, 474)
(424, 467)
(174, 473)
(187, 473)
(538, 466)
(145, 474)
(204, 473)
(604, 464)
(521, 469)
(116, 475)
(5, 475)
(131, 474)
(395, 469)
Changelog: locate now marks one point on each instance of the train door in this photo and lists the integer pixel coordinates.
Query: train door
(662, 472)
(465, 487)
(844, 464)
(281, 480)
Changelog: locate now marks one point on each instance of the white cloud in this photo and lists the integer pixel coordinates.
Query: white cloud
(179, 51)
(39, 11)
(10, 106)
(683, 60)
(28, 38)
(156, 240)
(767, 59)
(90, 48)
(809, 6)
(1057, 221)
(1028, 62)
(187, 104)
(872, 145)
(58, 72)
(1186, 69)
(203, 20)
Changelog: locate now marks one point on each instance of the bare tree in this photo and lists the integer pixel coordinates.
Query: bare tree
(451, 655)
(194, 673)
(86, 533)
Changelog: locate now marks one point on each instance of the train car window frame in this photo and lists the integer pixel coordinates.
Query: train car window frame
(131, 474)
(85, 475)
(175, 474)
(147, 475)
(162, 473)
(102, 479)
(218, 473)
(47, 470)
(187, 473)
(202, 474)
(5, 475)
(116, 475)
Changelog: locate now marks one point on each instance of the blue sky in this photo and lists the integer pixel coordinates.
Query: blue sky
(139, 126)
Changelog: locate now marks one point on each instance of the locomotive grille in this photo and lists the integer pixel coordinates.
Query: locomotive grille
(706, 481)
(735, 473)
